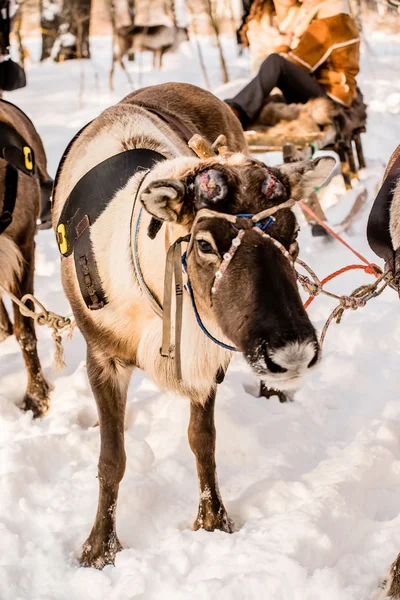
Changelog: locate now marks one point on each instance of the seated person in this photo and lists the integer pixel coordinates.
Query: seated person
(266, 27)
(322, 59)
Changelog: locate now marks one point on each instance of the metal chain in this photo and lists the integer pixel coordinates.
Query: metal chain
(55, 322)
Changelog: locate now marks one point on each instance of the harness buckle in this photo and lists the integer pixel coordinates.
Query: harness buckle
(62, 238)
(28, 158)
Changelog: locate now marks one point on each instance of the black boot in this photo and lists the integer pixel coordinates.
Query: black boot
(318, 231)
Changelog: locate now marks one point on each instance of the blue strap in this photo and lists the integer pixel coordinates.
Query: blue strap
(270, 221)
(137, 265)
(200, 323)
(188, 286)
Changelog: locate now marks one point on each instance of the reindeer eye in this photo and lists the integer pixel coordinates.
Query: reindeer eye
(205, 247)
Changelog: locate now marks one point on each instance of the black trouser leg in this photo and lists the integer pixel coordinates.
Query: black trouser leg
(296, 86)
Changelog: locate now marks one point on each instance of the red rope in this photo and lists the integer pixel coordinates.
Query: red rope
(370, 268)
(366, 269)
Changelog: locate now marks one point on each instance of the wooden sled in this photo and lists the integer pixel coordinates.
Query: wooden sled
(342, 135)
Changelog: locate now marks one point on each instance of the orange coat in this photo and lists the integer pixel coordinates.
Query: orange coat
(330, 48)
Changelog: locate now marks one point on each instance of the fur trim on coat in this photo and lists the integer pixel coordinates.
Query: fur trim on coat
(330, 48)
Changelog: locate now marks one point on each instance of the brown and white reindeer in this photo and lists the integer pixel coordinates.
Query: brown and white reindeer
(22, 174)
(252, 303)
(158, 39)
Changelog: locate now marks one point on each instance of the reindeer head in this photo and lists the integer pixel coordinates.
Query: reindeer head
(256, 304)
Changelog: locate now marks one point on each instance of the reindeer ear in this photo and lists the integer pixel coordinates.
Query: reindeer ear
(211, 188)
(308, 175)
(163, 199)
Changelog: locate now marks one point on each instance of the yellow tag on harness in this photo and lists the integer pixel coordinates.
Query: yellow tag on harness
(61, 239)
(28, 158)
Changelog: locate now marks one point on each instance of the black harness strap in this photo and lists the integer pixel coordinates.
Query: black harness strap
(15, 151)
(10, 196)
(19, 157)
(378, 228)
(89, 198)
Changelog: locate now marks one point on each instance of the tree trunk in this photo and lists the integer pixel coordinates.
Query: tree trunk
(172, 10)
(50, 15)
(215, 26)
(17, 32)
(74, 30)
(131, 10)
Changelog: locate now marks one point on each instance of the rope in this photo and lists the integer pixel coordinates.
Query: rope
(328, 278)
(57, 323)
(359, 297)
(374, 269)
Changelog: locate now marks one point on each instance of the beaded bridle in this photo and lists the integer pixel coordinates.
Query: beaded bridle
(176, 260)
(227, 257)
(258, 222)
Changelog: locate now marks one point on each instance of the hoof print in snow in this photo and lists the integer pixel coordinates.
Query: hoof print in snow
(98, 555)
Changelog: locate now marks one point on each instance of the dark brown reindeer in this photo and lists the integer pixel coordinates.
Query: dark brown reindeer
(114, 261)
(22, 173)
(384, 238)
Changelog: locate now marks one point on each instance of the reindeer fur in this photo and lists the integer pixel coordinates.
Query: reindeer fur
(286, 120)
(126, 332)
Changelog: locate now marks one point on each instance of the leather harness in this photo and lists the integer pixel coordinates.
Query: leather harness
(91, 196)
(87, 201)
(19, 156)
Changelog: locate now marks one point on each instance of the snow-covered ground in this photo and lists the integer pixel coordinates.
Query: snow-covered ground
(313, 486)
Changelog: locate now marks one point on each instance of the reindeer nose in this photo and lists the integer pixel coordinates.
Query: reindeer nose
(293, 358)
(272, 366)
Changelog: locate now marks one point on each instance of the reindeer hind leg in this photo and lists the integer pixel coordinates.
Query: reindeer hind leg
(109, 380)
(37, 396)
(125, 70)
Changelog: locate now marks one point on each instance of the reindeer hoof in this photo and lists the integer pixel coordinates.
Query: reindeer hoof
(37, 398)
(390, 587)
(98, 554)
(267, 392)
(211, 521)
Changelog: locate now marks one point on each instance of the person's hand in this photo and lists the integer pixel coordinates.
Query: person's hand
(309, 4)
(285, 40)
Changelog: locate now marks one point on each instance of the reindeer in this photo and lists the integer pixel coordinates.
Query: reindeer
(158, 39)
(22, 175)
(253, 304)
(384, 238)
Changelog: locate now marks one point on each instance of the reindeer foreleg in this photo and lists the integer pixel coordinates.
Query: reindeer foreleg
(212, 514)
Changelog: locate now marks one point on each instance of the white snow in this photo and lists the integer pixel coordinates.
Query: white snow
(313, 486)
